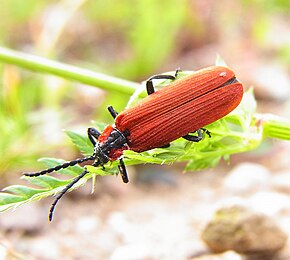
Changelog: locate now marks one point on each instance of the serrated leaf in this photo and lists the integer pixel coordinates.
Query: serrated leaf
(6, 198)
(22, 191)
(17, 195)
(202, 163)
(46, 181)
(82, 142)
(101, 172)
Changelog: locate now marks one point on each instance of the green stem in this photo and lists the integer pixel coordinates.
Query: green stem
(273, 126)
(85, 76)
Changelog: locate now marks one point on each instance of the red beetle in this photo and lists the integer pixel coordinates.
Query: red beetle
(185, 106)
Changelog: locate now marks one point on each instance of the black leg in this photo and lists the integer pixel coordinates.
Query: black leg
(59, 196)
(193, 138)
(199, 136)
(149, 82)
(176, 72)
(206, 131)
(123, 171)
(112, 111)
(61, 166)
(93, 134)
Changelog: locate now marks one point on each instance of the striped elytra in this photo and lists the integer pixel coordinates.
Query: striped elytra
(182, 107)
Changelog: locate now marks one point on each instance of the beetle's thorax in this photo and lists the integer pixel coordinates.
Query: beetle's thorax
(111, 144)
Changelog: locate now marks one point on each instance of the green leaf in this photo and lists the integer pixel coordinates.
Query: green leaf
(22, 191)
(202, 163)
(82, 142)
(46, 181)
(9, 201)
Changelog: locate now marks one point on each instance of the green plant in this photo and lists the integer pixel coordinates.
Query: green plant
(242, 130)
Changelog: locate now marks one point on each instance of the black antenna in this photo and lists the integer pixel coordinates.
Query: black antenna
(61, 166)
(67, 187)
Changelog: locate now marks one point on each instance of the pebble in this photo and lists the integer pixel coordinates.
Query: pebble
(270, 203)
(131, 252)
(281, 182)
(229, 255)
(247, 177)
(266, 77)
(243, 231)
(87, 224)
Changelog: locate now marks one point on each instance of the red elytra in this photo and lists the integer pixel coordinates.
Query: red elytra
(182, 107)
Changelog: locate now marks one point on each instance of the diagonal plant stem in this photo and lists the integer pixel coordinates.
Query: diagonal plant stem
(85, 76)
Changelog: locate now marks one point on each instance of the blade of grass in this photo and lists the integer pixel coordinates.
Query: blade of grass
(85, 76)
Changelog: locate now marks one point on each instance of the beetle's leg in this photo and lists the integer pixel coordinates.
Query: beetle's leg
(59, 196)
(177, 71)
(193, 138)
(149, 82)
(206, 131)
(93, 134)
(121, 166)
(165, 146)
(199, 136)
(112, 111)
(123, 171)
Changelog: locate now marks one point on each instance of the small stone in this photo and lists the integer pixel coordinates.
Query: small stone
(244, 231)
(270, 203)
(42, 247)
(229, 255)
(87, 224)
(281, 182)
(247, 177)
(272, 82)
(132, 252)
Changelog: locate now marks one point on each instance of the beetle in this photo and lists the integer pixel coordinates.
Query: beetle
(183, 107)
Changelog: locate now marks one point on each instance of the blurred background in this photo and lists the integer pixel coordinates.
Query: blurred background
(160, 214)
